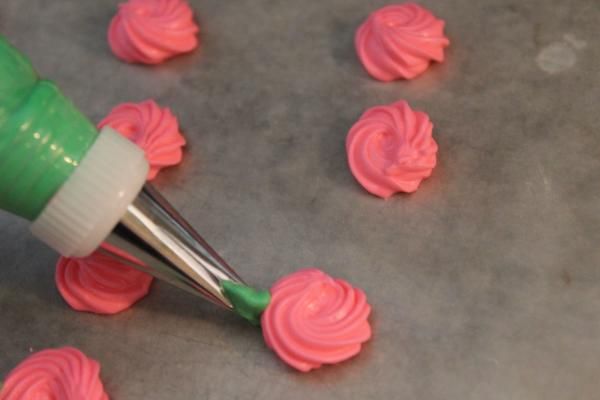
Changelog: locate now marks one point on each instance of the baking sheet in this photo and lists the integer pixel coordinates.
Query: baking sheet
(484, 283)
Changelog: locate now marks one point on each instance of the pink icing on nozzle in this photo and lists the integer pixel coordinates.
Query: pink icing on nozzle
(154, 129)
(100, 283)
(400, 41)
(391, 149)
(314, 319)
(62, 374)
(151, 31)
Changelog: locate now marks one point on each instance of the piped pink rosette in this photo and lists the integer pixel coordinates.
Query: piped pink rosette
(400, 41)
(314, 319)
(152, 31)
(61, 374)
(101, 284)
(391, 149)
(154, 129)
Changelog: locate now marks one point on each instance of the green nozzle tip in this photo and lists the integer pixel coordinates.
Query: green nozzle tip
(43, 137)
(249, 303)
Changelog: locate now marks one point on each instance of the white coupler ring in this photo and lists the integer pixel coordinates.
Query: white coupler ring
(92, 201)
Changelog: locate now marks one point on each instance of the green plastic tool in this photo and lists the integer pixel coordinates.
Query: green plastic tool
(43, 137)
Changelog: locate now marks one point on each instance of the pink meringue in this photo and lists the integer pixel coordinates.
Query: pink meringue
(390, 149)
(313, 319)
(154, 129)
(400, 41)
(62, 374)
(100, 284)
(151, 31)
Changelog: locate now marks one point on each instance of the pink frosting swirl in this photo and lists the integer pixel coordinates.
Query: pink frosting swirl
(151, 31)
(390, 149)
(100, 284)
(154, 129)
(62, 374)
(313, 319)
(400, 41)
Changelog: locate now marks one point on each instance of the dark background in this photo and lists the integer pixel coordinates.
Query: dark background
(484, 283)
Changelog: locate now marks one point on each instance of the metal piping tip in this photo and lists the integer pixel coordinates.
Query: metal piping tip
(166, 246)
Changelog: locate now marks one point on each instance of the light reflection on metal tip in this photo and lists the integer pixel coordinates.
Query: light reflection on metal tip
(170, 249)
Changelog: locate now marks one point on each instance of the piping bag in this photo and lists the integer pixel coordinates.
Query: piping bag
(84, 190)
